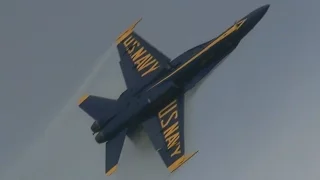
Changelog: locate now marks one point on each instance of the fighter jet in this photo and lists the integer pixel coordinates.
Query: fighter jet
(154, 98)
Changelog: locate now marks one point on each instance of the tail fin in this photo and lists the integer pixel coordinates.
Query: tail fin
(97, 107)
(113, 151)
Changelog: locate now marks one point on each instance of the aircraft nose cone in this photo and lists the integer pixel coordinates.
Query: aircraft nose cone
(254, 17)
(264, 9)
(261, 11)
(266, 6)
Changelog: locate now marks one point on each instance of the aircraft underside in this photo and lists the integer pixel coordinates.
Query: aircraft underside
(154, 100)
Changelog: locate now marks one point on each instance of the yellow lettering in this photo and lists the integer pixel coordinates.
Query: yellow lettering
(141, 58)
(171, 134)
(147, 63)
(165, 110)
(140, 62)
(176, 151)
(128, 41)
(138, 54)
(136, 43)
(153, 68)
(174, 127)
(130, 50)
(133, 47)
(172, 140)
(174, 113)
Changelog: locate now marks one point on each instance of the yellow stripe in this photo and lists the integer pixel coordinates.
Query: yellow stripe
(127, 32)
(83, 98)
(221, 37)
(179, 162)
(112, 170)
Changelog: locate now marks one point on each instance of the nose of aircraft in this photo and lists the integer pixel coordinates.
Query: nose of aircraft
(257, 14)
(252, 19)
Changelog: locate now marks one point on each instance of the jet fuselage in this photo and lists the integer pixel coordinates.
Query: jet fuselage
(133, 107)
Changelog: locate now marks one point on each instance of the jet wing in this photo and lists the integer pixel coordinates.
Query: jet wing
(166, 131)
(113, 151)
(140, 62)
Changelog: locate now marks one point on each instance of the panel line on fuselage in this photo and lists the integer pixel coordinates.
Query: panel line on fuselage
(218, 39)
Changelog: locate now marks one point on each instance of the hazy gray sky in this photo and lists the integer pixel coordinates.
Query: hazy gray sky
(255, 117)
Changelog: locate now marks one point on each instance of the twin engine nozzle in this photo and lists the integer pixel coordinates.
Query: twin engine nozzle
(95, 127)
(99, 125)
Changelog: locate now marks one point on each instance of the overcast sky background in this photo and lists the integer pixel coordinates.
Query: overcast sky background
(255, 117)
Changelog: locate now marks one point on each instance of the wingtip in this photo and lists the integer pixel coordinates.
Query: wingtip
(191, 155)
(112, 170)
(128, 31)
(136, 23)
(82, 98)
(181, 161)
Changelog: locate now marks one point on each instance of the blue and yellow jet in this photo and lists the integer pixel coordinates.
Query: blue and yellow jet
(155, 92)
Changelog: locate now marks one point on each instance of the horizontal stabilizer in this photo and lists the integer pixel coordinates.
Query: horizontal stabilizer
(97, 107)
